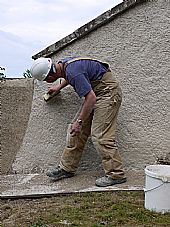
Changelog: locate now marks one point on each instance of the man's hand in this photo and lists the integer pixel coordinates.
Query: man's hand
(88, 105)
(76, 128)
(57, 87)
(54, 89)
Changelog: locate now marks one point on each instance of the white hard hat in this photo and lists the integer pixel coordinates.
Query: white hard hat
(41, 68)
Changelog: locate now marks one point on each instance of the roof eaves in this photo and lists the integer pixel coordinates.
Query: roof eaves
(87, 28)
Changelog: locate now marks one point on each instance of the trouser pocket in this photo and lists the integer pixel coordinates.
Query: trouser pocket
(70, 140)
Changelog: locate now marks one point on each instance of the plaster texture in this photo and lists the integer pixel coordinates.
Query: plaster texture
(16, 102)
(136, 43)
(45, 136)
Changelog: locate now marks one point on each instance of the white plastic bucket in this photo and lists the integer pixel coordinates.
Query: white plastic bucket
(157, 188)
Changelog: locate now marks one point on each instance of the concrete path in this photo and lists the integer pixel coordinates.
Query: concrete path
(39, 185)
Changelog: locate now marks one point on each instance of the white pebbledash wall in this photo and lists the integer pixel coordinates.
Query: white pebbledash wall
(136, 43)
(137, 46)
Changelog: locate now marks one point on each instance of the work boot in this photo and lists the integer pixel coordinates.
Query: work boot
(58, 173)
(109, 181)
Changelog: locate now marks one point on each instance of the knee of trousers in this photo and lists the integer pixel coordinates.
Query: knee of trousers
(103, 141)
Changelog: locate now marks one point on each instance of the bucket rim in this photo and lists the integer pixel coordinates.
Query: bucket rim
(158, 175)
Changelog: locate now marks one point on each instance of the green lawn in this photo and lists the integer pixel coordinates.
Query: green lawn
(92, 209)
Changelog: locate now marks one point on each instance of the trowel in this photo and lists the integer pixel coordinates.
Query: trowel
(49, 96)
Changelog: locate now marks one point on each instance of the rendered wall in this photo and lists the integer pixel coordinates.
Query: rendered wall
(16, 101)
(137, 45)
(45, 136)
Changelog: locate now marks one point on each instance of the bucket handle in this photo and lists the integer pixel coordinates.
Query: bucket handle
(148, 190)
(165, 178)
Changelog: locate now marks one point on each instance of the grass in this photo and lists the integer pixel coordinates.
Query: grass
(94, 209)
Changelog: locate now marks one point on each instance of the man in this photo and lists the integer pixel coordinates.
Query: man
(93, 80)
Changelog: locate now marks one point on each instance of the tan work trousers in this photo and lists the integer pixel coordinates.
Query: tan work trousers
(101, 124)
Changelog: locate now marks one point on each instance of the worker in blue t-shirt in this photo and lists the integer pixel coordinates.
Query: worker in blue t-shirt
(93, 80)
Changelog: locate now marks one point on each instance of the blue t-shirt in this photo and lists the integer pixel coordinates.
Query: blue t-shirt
(80, 73)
